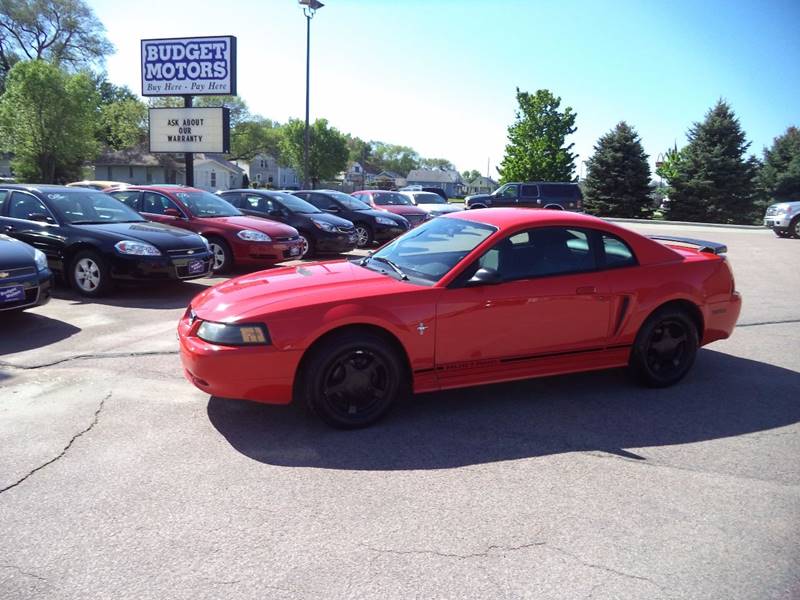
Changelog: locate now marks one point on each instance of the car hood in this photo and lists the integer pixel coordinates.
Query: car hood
(399, 219)
(14, 254)
(264, 225)
(161, 236)
(327, 218)
(257, 294)
(440, 208)
(477, 197)
(400, 209)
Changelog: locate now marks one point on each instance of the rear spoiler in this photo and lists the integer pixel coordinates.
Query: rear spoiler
(702, 245)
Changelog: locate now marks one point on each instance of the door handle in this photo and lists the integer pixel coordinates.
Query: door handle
(587, 289)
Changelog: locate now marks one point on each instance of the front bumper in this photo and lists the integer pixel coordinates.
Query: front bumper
(137, 268)
(384, 233)
(778, 222)
(36, 290)
(267, 253)
(336, 242)
(259, 373)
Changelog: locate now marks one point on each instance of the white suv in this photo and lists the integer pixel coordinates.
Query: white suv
(784, 219)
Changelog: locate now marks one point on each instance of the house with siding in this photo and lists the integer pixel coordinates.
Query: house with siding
(450, 181)
(137, 166)
(265, 171)
(213, 173)
(482, 185)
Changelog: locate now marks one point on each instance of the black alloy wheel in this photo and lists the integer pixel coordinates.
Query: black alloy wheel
(351, 380)
(665, 348)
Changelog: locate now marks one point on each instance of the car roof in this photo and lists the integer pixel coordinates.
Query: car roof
(510, 217)
(160, 188)
(43, 187)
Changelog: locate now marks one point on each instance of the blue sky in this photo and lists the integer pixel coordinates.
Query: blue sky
(440, 75)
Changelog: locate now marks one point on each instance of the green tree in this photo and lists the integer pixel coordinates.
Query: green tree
(358, 150)
(392, 157)
(255, 136)
(123, 123)
(780, 176)
(470, 175)
(327, 151)
(537, 150)
(65, 32)
(713, 180)
(48, 121)
(618, 175)
(436, 163)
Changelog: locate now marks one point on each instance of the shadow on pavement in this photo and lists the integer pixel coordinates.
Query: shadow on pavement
(26, 330)
(149, 295)
(723, 396)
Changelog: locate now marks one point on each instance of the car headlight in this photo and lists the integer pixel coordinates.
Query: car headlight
(224, 334)
(385, 221)
(137, 248)
(40, 259)
(205, 241)
(323, 225)
(249, 235)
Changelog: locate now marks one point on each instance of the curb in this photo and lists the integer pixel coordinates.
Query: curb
(686, 223)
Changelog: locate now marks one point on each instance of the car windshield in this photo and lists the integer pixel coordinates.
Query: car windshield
(391, 199)
(429, 198)
(206, 205)
(429, 252)
(82, 206)
(295, 204)
(349, 202)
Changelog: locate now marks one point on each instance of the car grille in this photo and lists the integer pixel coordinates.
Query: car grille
(186, 252)
(20, 271)
(288, 239)
(772, 210)
(346, 229)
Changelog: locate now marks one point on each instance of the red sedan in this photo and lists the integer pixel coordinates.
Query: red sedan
(469, 298)
(393, 202)
(233, 237)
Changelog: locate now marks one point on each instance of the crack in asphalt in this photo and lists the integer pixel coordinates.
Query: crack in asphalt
(101, 355)
(485, 553)
(95, 419)
(757, 323)
(26, 573)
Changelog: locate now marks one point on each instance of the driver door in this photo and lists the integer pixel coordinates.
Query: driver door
(508, 197)
(549, 303)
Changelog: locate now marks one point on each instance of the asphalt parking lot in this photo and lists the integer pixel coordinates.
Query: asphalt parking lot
(118, 479)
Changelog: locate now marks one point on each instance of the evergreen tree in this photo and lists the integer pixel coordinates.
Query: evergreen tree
(713, 181)
(780, 175)
(618, 176)
(536, 150)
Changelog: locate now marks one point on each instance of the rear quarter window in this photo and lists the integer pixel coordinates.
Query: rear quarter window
(617, 253)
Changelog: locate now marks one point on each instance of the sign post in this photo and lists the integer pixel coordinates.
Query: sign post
(187, 67)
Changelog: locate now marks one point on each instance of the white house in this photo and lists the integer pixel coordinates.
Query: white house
(213, 173)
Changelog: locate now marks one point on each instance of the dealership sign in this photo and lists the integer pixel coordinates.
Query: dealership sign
(189, 130)
(189, 66)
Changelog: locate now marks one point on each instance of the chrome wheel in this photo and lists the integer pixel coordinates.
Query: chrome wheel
(362, 233)
(304, 241)
(87, 275)
(219, 256)
(796, 228)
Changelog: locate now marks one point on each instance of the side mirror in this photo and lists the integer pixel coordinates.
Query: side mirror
(333, 209)
(172, 212)
(39, 218)
(484, 276)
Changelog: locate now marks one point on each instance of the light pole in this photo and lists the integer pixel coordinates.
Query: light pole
(310, 7)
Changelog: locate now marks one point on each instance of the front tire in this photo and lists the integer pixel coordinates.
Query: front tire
(308, 245)
(89, 274)
(221, 255)
(665, 348)
(794, 228)
(364, 235)
(351, 380)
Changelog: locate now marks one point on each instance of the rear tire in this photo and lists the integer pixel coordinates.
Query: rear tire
(665, 348)
(351, 379)
(221, 255)
(89, 274)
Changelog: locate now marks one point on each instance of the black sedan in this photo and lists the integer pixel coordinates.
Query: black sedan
(321, 232)
(25, 278)
(91, 239)
(371, 225)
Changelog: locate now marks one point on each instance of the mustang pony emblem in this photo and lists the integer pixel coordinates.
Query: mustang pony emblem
(422, 328)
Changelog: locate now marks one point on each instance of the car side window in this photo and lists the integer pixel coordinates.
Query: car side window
(323, 202)
(127, 197)
(254, 202)
(233, 199)
(530, 191)
(510, 191)
(23, 206)
(156, 204)
(616, 253)
(541, 252)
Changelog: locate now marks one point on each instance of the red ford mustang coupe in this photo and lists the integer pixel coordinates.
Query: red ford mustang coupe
(468, 298)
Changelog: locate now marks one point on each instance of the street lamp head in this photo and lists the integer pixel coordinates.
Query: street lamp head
(311, 4)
